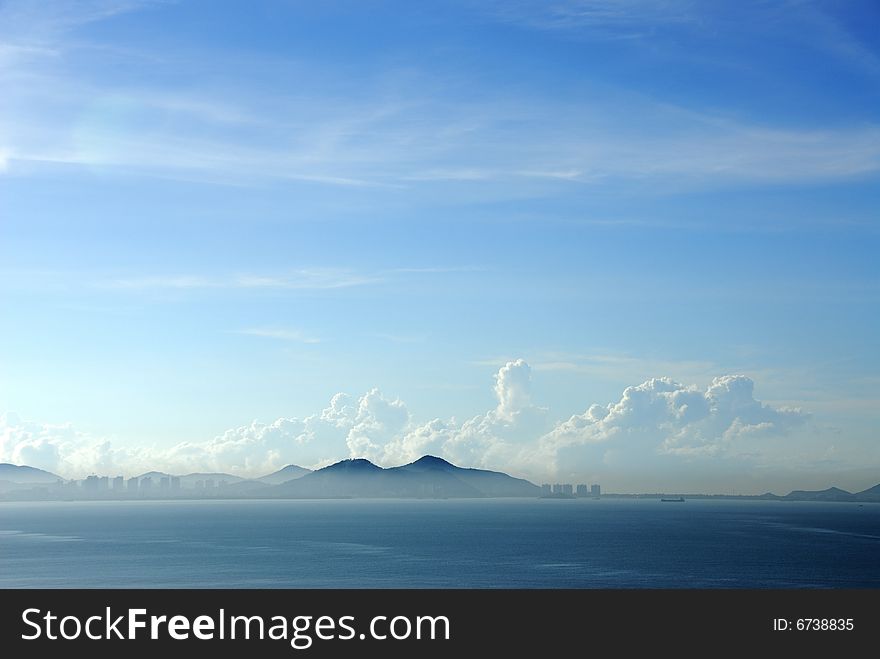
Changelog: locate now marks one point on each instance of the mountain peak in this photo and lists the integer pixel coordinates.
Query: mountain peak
(433, 460)
(428, 463)
(427, 477)
(355, 464)
(286, 473)
(25, 474)
(828, 494)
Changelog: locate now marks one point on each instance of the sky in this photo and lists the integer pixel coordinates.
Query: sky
(629, 242)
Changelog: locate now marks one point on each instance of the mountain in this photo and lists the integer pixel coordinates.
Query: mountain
(427, 477)
(155, 475)
(489, 483)
(285, 474)
(871, 494)
(348, 478)
(26, 475)
(831, 494)
(428, 463)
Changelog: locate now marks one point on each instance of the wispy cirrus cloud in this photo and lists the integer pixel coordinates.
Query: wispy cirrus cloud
(345, 181)
(401, 338)
(811, 23)
(309, 279)
(440, 269)
(303, 279)
(411, 136)
(181, 282)
(609, 18)
(23, 20)
(300, 279)
(280, 334)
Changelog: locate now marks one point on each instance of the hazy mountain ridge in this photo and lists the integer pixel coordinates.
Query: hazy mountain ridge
(835, 494)
(427, 477)
(829, 494)
(287, 473)
(870, 495)
(22, 474)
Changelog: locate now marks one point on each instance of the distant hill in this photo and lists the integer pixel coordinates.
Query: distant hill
(831, 494)
(488, 483)
(871, 494)
(24, 475)
(429, 476)
(285, 474)
(155, 475)
(348, 478)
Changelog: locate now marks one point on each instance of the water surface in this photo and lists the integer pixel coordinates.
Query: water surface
(523, 543)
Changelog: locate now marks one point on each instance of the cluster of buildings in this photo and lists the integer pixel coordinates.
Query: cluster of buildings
(119, 485)
(567, 491)
(105, 487)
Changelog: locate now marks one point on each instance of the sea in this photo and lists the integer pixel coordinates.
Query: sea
(487, 543)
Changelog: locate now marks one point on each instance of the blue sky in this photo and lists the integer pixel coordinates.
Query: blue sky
(213, 213)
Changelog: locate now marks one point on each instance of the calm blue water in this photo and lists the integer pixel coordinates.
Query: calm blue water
(443, 544)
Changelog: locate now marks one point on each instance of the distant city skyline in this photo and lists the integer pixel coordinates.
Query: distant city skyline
(625, 242)
(428, 477)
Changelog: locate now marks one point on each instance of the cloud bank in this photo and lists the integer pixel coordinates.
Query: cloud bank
(663, 418)
(653, 425)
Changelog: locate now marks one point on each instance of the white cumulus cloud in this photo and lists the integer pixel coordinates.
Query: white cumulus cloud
(653, 425)
(661, 417)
